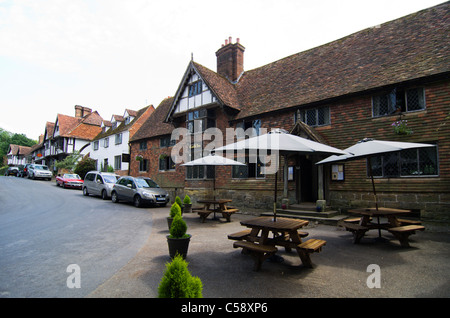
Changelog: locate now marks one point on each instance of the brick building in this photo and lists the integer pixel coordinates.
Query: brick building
(338, 93)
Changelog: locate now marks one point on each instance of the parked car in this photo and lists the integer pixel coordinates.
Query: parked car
(39, 171)
(99, 183)
(24, 172)
(69, 180)
(140, 191)
(12, 171)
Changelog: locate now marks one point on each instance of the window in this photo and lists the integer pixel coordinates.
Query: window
(419, 162)
(250, 170)
(117, 162)
(166, 163)
(398, 100)
(166, 142)
(143, 145)
(199, 172)
(319, 116)
(143, 165)
(200, 120)
(118, 139)
(106, 142)
(95, 145)
(195, 88)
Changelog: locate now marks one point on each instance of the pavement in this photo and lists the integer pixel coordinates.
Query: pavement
(342, 269)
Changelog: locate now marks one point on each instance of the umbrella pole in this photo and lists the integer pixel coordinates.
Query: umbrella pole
(275, 198)
(375, 194)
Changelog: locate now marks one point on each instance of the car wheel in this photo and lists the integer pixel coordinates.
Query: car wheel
(104, 195)
(57, 184)
(114, 197)
(85, 191)
(137, 201)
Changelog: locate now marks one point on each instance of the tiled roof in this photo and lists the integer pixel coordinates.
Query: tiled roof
(122, 126)
(155, 125)
(19, 150)
(408, 48)
(83, 128)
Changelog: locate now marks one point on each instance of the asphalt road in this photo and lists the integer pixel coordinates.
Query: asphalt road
(45, 228)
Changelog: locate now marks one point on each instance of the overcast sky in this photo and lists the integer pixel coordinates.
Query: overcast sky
(114, 54)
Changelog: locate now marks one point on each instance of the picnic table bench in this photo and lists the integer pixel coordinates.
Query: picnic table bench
(222, 208)
(256, 242)
(399, 227)
(402, 233)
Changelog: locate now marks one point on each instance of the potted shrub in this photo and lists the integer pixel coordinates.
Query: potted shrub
(174, 210)
(180, 203)
(187, 204)
(177, 281)
(178, 240)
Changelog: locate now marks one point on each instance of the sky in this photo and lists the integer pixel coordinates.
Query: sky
(110, 55)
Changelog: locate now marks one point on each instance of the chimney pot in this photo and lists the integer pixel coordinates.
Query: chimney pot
(229, 39)
(226, 42)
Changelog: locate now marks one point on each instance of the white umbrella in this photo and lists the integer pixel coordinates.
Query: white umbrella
(279, 141)
(283, 142)
(213, 160)
(368, 148)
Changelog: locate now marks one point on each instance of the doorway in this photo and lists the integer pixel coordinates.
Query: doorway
(305, 180)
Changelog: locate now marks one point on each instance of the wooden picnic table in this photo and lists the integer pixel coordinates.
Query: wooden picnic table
(256, 240)
(400, 228)
(222, 208)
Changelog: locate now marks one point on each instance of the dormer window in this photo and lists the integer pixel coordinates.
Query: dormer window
(128, 120)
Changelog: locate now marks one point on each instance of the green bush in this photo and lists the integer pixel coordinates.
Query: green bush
(84, 166)
(178, 200)
(175, 209)
(177, 282)
(178, 228)
(187, 199)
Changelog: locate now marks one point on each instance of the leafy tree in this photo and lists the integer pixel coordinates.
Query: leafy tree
(84, 166)
(69, 162)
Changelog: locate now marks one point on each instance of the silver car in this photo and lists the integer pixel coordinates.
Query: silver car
(99, 183)
(39, 171)
(139, 190)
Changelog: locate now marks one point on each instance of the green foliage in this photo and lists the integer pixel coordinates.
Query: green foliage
(187, 199)
(175, 209)
(69, 162)
(178, 200)
(84, 166)
(177, 281)
(178, 228)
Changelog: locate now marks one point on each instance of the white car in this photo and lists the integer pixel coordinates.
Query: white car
(39, 171)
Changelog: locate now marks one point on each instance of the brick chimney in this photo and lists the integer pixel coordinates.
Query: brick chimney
(230, 60)
(81, 111)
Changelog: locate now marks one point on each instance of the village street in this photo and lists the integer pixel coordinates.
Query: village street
(45, 228)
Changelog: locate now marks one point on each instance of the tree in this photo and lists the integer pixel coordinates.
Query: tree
(69, 162)
(84, 166)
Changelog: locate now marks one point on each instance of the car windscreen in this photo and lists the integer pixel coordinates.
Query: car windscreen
(41, 167)
(110, 179)
(146, 183)
(71, 176)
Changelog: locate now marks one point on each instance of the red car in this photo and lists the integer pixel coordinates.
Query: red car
(69, 180)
